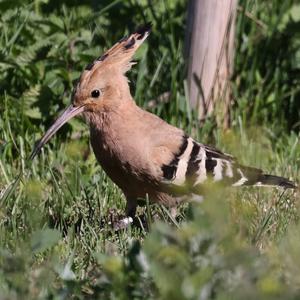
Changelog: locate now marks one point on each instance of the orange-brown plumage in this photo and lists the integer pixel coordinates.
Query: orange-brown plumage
(140, 152)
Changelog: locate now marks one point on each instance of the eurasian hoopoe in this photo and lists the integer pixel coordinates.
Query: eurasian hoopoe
(140, 152)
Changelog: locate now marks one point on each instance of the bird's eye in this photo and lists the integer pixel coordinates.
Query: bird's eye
(95, 93)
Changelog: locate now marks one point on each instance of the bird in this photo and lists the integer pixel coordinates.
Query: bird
(141, 153)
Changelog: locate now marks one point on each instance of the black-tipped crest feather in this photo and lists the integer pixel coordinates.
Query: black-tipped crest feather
(141, 30)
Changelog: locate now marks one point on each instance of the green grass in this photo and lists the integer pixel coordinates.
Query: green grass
(56, 237)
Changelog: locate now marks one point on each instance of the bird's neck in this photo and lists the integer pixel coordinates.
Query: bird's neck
(110, 116)
(112, 133)
(109, 126)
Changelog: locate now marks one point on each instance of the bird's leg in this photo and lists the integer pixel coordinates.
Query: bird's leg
(131, 218)
(131, 205)
(123, 223)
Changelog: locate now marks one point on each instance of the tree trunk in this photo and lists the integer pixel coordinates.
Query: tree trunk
(209, 45)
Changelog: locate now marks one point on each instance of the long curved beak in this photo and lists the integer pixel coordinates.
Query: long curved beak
(69, 113)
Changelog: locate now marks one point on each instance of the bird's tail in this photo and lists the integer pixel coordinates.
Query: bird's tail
(273, 180)
(257, 178)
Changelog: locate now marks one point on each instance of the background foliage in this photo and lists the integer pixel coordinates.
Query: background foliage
(56, 238)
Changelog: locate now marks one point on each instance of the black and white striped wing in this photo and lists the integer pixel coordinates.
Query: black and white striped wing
(195, 163)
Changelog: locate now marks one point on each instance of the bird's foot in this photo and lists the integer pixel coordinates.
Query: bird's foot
(122, 223)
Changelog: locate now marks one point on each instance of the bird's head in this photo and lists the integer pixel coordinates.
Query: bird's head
(102, 85)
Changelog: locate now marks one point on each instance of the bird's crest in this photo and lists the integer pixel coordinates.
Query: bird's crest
(121, 53)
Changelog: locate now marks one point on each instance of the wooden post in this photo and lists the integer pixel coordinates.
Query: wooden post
(209, 45)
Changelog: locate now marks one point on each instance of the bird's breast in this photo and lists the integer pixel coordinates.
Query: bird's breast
(122, 161)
